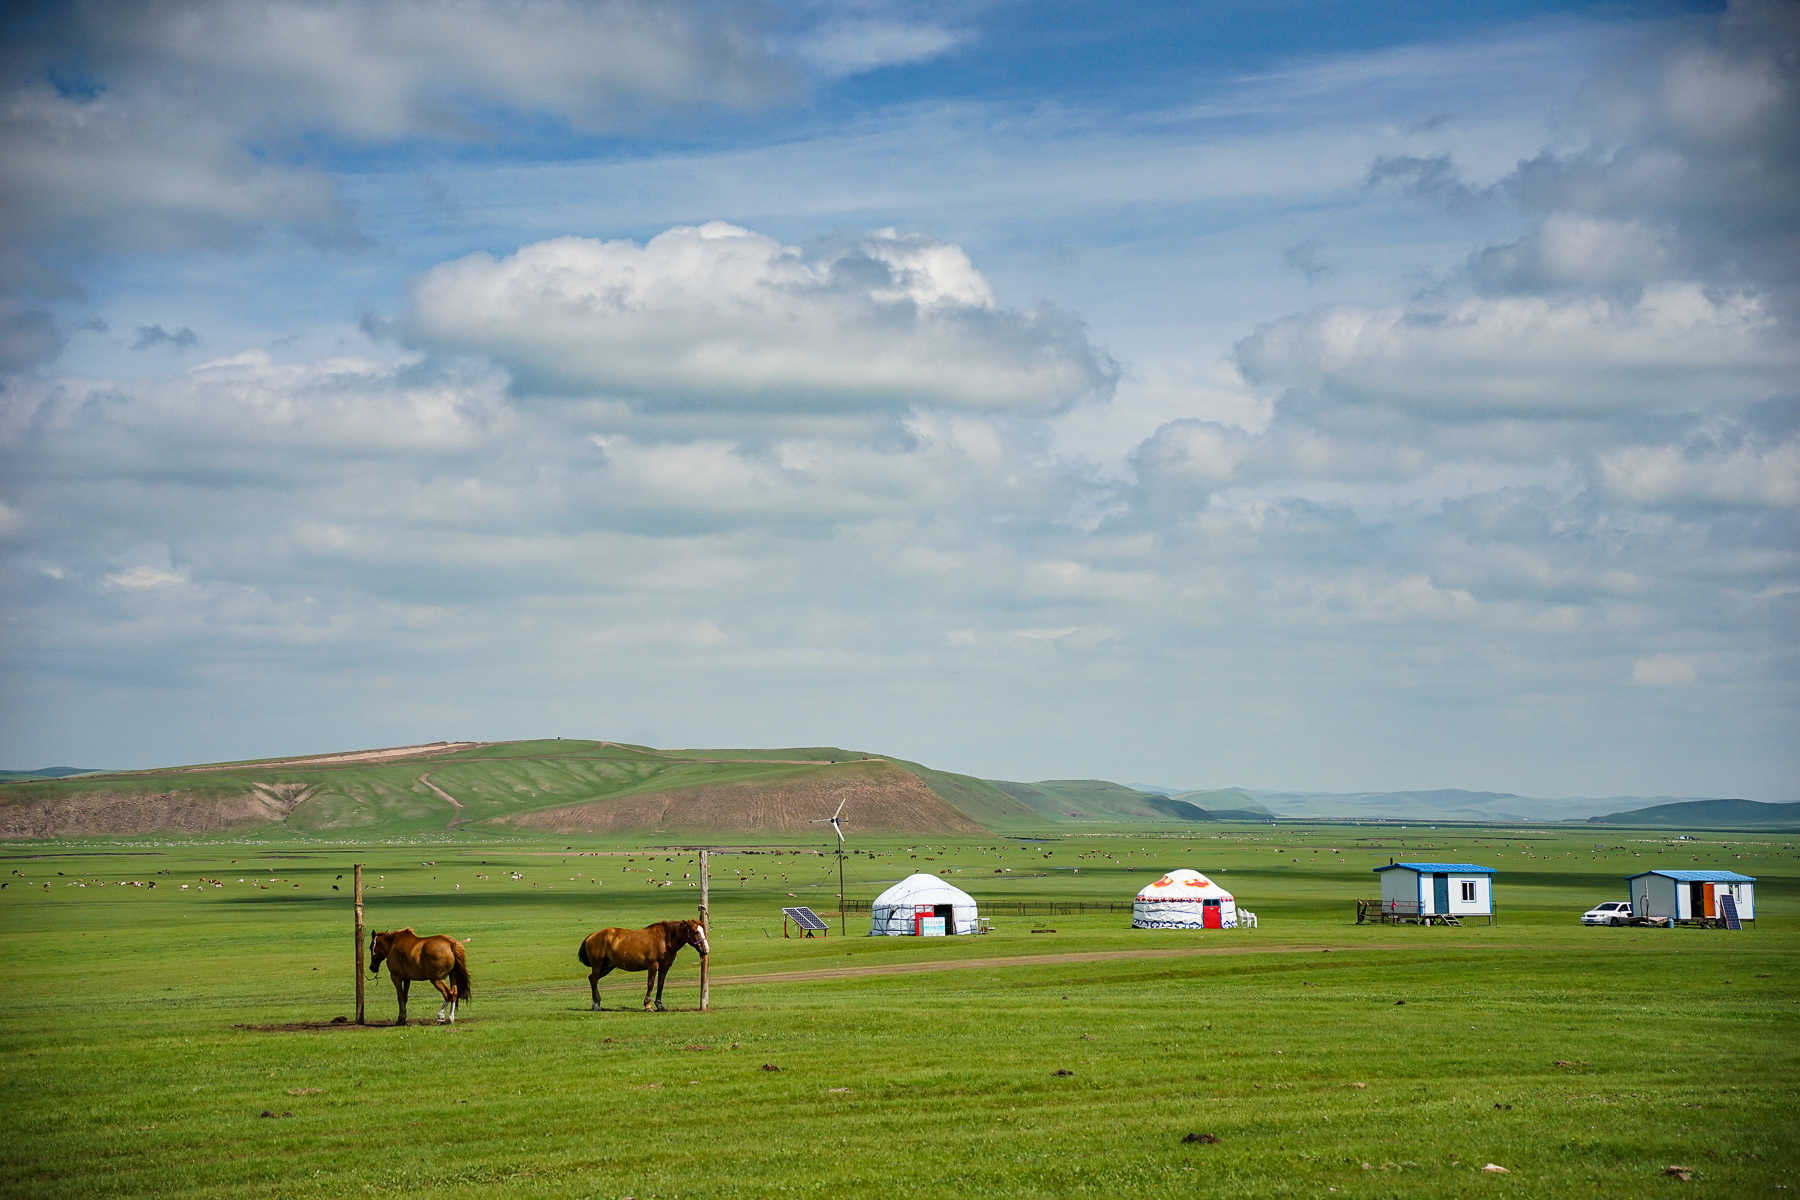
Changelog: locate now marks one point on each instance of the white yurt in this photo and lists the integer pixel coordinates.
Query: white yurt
(1184, 900)
(922, 905)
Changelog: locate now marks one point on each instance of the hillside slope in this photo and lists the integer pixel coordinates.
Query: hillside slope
(1709, 814)
(877, 797)
(1099, 800)
(563, 785)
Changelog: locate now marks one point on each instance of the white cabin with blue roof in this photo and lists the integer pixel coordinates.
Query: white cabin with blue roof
(1426, 890)
(1691, 895)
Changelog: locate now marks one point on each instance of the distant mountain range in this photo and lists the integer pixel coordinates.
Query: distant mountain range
(1455, 804)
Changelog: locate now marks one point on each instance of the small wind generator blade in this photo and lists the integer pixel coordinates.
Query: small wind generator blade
(840, 808)
(838, 829)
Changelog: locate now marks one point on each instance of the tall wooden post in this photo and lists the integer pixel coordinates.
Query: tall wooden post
(359, 946)
(705, 881)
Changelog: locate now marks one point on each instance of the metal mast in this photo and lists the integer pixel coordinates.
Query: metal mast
(838, 828)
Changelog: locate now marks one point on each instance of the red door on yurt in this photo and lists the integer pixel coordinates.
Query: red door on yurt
(1211, 915)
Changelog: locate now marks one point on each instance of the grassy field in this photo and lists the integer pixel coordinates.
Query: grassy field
(141, 1028)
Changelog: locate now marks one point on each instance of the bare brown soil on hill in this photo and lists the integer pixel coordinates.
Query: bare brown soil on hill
(878, 797)
(23, 815)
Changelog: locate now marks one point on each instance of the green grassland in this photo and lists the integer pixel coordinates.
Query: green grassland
(1585, 1061)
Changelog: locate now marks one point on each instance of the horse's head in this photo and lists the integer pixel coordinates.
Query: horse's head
(379, 945)
(697, 937)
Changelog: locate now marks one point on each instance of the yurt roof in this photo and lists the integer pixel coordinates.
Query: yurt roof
(923, 889)
(1184, 884)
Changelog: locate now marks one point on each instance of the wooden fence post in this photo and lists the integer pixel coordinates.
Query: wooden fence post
(705, 986)
(359, 946)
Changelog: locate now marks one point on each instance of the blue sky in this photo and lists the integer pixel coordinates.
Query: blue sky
(1309, 396)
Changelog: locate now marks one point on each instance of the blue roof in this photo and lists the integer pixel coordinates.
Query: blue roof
(1440, 868)
(1699, 876)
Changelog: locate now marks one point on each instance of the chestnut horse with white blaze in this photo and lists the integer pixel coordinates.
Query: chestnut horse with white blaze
(409, 957)
(651, 949)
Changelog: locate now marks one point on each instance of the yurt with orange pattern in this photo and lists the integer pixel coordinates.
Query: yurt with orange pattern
(1184, 899)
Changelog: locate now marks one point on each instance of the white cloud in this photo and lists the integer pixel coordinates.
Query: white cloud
(1753, 476)
(200, 107)
(377, 72)
(1572, 250)
(718, 318)
(142, 578)
(1532, 356)
(850, 47)
(1663, 670)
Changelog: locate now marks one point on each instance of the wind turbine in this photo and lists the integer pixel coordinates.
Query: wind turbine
(837, 827)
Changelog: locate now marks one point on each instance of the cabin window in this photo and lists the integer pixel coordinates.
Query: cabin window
(1468, 891)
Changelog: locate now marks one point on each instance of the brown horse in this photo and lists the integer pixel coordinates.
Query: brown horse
(411, 957)
(652, 949)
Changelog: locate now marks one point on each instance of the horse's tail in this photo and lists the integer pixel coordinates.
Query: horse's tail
(459, 975)
(582, 954)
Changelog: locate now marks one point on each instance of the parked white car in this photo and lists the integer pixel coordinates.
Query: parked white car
(1613, 912)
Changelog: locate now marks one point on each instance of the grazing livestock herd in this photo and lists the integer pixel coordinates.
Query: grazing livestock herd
(442, 961)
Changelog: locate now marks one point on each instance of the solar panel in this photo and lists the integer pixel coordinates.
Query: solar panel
(805, 918)
(1728, 909)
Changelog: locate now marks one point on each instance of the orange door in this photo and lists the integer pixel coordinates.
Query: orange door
(1712, 909)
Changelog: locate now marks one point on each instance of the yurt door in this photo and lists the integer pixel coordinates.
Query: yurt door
(948, 912)
(1211, 916)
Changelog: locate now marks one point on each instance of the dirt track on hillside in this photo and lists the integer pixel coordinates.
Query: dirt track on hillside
(1040, 960)
(878, 797)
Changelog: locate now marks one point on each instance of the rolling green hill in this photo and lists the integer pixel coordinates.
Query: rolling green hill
(1709, 814)
(572, 786)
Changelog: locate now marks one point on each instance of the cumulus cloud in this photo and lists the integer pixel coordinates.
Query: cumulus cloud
(1722, 462)
(1532, 356)
(718, 318)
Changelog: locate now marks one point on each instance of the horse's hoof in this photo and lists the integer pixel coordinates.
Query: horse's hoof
(659, 1007)
(595, 1008)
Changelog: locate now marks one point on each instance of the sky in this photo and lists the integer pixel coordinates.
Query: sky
(1293, 395)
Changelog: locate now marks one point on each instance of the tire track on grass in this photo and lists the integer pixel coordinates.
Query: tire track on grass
(1031, 960)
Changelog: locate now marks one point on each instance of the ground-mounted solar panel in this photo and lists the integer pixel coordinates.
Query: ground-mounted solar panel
(805, 918)
(1728, 910)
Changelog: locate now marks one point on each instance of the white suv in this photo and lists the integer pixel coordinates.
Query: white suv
(1613, 912)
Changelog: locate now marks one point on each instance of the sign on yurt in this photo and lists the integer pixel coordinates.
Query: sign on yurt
(922, 906)
(1184, 900)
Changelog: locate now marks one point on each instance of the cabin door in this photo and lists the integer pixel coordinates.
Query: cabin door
(948, 912)
(1440, 894)
(1211, 915)
(1696, 901)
